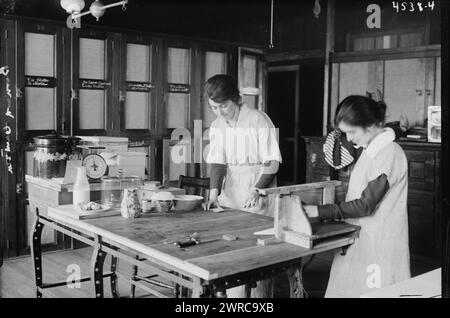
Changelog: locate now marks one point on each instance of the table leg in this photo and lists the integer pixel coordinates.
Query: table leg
(295, 280)
(134, 271)
(97, 260)
(114, 289)
(197, 291)
(36, 252)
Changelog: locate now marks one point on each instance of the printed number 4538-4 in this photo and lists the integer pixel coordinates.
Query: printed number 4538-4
(412, 6)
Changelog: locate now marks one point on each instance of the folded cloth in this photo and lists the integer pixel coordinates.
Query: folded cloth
(339, 153)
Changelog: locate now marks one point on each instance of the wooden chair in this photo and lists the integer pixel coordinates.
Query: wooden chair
(192, 185)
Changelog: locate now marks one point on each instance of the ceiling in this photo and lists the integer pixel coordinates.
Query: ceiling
(189, 18)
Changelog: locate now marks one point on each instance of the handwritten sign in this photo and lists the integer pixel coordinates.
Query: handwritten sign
(139, 86)
(40, 81)
(6, 151)
(178, 88)
(93, 84)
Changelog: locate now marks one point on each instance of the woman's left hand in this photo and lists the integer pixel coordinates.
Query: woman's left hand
(252, 200)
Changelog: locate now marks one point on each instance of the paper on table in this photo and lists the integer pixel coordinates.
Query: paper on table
(270, 231)
(71, 171)
(215, 210)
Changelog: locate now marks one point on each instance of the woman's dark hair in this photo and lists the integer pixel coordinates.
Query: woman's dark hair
(360, 111)
(221, 88)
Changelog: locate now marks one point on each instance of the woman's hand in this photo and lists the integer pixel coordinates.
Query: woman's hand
(311, 211)
(253, 199)
(213, 194)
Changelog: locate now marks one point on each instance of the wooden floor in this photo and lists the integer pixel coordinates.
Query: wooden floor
(17, 277)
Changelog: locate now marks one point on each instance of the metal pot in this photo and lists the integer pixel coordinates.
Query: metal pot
(50, 156)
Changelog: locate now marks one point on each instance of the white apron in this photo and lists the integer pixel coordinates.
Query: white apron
(240, 179)
(380, 256)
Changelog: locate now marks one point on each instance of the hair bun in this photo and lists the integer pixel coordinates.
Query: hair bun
(382, 108)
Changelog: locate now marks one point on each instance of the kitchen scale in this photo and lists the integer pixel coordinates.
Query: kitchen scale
(96, 166)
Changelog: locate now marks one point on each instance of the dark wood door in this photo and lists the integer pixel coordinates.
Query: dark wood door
(282, 108)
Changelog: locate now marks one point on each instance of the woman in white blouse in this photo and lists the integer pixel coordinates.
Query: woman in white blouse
(243, 154)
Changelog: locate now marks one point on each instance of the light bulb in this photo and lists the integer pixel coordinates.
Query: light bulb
(72, 6)
(316, 9)
(96, 9)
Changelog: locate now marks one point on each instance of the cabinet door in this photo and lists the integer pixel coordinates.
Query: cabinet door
(422, 224)
(95, 68)
(421, 170)
(404, 90)
(39, 79)
(138, 97)
(179, 68)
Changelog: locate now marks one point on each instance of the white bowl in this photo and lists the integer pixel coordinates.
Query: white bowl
(187, 202)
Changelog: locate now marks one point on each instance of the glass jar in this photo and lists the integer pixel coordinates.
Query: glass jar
(49, 157)
(132, 182)
(111, 191)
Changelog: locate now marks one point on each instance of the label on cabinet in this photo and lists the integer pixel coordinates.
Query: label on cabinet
(139, 86)
(93, 84)
(178, 88)
(40, 81)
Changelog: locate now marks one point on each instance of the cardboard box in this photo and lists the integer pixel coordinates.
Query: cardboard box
(131, 159)
(111, 144)
(113, 171)
(434, 123)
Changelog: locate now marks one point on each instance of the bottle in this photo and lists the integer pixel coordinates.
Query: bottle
(81, 188)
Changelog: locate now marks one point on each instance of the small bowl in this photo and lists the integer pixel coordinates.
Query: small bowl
(187, 202)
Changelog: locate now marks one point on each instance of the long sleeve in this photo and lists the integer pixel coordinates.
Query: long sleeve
(269, 173)
(217, 173)
(362, 207)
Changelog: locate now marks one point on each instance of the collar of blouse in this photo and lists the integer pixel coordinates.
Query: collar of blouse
(379, 142)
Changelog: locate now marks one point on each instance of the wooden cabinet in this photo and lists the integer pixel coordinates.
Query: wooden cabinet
(91, 81)
(424, 198)
(407, 85)
(424, 211)
(409, 88)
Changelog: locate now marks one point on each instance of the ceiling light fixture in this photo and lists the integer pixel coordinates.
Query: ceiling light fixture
(97, 9)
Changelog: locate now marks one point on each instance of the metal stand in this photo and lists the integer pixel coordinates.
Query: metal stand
(36, 253)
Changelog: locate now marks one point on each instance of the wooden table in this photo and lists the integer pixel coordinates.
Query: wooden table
(207, 269)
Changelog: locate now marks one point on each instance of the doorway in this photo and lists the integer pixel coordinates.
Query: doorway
(283, 109)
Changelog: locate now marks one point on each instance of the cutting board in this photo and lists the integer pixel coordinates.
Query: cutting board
(69, 211)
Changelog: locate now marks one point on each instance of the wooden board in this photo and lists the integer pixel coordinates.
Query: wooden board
(76, 214)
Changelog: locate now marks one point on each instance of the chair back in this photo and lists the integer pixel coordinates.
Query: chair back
(195, 186)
